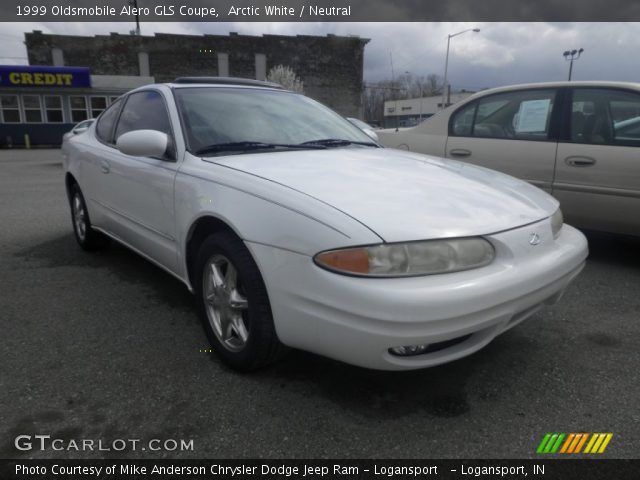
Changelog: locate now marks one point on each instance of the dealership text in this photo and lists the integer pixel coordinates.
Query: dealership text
(45, 442)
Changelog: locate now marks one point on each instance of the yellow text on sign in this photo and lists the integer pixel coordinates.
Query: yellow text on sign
(26, 78)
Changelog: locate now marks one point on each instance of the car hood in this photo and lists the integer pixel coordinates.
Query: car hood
(403, 196)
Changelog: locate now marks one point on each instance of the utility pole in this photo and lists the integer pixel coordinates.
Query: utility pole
(134, 4)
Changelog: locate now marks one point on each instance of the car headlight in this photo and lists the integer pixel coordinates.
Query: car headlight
(556, 223)
(409, 259)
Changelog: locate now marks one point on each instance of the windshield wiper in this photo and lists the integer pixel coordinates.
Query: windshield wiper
(248, 146)
(337, 142)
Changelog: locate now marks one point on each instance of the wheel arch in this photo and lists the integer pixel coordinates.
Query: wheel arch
(69, 181)
(200, 229)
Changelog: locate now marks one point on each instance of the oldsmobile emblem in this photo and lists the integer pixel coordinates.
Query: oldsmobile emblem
(534, 239)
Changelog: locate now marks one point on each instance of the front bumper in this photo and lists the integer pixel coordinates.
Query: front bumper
(357, 320)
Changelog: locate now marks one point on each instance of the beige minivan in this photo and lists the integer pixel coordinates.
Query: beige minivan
(579, 141)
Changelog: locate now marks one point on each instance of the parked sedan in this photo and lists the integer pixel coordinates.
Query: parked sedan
(293, 228)
(577, 140)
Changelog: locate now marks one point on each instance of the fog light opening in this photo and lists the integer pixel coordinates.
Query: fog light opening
(422, 349)
(409, 350)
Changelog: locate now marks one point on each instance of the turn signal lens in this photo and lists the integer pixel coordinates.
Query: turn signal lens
(409, 259)
(556, 223)
(353, 261)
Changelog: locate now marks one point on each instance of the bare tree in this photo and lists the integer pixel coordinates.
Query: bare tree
(286, 77)
(420, 86)
(375, 94)
(403, 87)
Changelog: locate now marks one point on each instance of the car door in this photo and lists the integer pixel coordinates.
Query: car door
(598, 161)
(513, 132)
(140, 189)
(95, 153)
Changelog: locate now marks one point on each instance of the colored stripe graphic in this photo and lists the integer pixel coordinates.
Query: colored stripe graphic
(550, 443)
(573, 443)
(598, 443)
(581, 443)
(555, 447)
(543, 443)
(567, 442)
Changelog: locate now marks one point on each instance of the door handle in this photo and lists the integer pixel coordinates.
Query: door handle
(460, 152)
(104, 166)
(578, 161)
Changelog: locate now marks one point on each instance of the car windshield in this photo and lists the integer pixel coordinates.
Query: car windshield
(215, 116)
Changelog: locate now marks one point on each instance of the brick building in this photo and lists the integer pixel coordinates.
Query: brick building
(73, 78)
(331, 67)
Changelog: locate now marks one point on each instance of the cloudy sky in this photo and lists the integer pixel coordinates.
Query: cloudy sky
(500, 54)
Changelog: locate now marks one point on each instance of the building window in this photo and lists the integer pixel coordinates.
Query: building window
(53, 109)
(98, 104)
(32, 108)
(113, 99)
(261, 66)
(223, 64)
(78, 109)
(10, 109)
(58, 57)
(143, 64)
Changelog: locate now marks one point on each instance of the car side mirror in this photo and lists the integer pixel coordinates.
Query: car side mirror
(143, 143)
(79, 130)
(371, 134)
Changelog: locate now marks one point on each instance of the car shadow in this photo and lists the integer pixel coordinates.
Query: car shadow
(445, 391)
(613, 249)
(123, 263)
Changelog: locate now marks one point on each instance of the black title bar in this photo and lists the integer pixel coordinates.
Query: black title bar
(316, 10)
(564, 469)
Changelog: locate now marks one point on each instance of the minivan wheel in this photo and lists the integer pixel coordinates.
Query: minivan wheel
(234, 305)
(85, 235)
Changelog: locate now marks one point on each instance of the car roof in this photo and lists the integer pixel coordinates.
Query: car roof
(582, 83)
(222, 82)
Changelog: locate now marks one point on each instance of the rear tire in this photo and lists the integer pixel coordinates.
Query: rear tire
(233, 304)
(86, 236)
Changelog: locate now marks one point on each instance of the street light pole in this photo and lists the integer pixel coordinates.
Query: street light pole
(420, 85)
(571, 55)
(446, 62)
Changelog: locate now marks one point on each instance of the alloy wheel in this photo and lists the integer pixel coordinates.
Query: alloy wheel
(225, 303)
(79, 217)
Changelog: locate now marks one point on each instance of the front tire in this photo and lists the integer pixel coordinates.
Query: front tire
(234, 305)
(86, 236)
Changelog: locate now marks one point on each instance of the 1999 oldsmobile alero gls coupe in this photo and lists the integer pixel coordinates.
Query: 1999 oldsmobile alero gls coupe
(294, 228)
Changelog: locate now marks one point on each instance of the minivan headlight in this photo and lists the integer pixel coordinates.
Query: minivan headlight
(409, 259)
(556, 223)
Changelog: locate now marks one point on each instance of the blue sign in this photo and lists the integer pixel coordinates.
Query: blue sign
(40, 76)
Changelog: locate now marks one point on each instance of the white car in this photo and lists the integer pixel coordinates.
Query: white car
(79, 128)
(293, 228)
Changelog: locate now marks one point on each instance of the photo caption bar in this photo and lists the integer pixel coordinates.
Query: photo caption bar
(315, 11)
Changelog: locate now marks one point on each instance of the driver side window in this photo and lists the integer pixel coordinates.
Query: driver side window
(145, 110)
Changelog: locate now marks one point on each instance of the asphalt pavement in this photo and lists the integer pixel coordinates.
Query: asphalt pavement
(107, 346)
